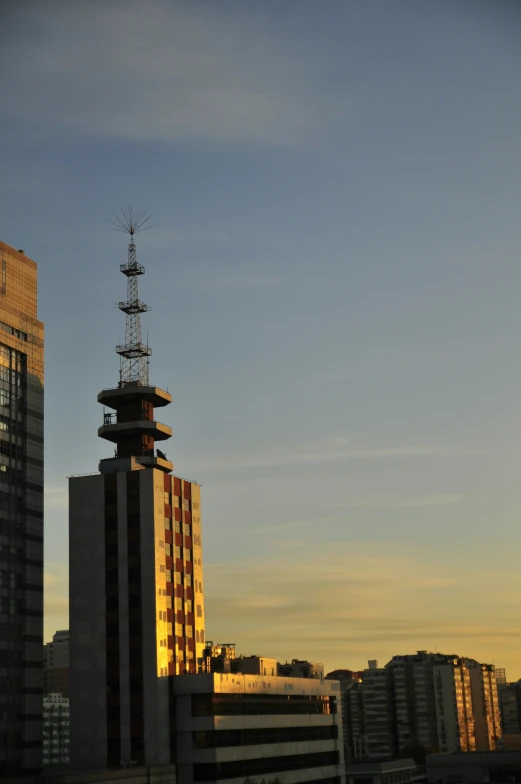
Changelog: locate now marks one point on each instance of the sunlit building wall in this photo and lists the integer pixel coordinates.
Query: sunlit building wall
(235, 728)
(453, 699)
(485, 705)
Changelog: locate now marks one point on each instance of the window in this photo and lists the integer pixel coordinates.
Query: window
(186, 530)
(188, 605)
(188, 580)
(177, 552)
(177, 526)
(179, 604)
(4, 276)
(188, 555)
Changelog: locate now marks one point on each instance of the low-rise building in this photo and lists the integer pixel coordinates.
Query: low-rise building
(232, 727)
(402, 771)
(56, 730)
(301, 669)
(223, 658)
(493, 767)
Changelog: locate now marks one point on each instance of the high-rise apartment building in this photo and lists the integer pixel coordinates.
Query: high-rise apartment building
(379, 737)
(353, 716)
(21, 515)
(56, 664)
(432, 702)
(485, 705)
(453, 699)
(136, 584)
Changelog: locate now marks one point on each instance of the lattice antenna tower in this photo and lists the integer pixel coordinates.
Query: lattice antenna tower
(134, 353)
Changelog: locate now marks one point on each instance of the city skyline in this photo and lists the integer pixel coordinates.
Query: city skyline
(334, 282)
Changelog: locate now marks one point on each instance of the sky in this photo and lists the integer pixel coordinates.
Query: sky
(335, 283)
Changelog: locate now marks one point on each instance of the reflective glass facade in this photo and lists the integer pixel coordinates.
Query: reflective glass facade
(21, 516)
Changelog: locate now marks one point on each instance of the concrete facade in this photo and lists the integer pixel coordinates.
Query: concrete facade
(21, 515)
(432, 702)
(56, 730)
(485, 705)
(353, 717)
(137, 611)
(510, 708)
(56, 664)
(232, 727)
(378, 716)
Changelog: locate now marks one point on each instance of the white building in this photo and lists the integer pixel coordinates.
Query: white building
(56, 730)
(232, 727)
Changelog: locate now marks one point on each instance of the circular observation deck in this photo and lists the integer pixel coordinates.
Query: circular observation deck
(118, 396)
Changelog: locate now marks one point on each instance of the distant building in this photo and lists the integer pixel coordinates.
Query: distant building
(235, 727)
(485, 705)
(56, 665)
(301, 669)
(510, 708)
(222, 658)
(432, 702)
(353, 718)
(217, 657)
(378, 713)
(424, 702)
(56, 730)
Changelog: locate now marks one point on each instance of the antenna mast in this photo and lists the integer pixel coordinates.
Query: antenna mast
(134, 354)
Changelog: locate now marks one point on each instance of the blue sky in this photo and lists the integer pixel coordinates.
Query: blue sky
(335, 288)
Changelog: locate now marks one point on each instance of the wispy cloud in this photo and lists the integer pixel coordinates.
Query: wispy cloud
(166, 71)
(307, 456)
(343, 607)
(397, 502)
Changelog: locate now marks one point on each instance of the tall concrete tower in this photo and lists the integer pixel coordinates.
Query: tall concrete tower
(136, 585)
